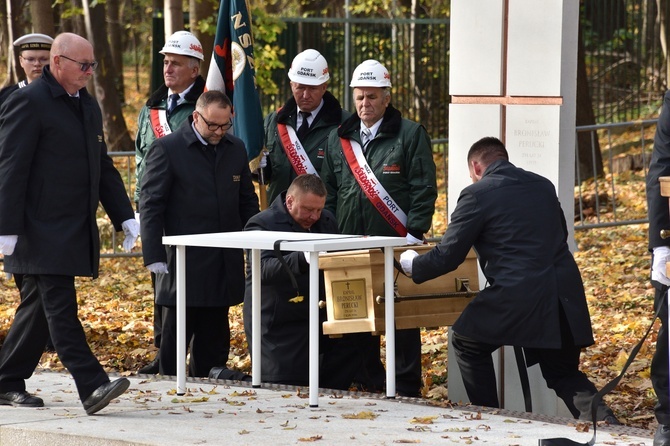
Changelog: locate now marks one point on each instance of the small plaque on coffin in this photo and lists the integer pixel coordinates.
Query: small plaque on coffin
(354, 282)
(349, 299)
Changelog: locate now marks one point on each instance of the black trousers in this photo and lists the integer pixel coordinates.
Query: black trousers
(48, 305)
(559, 367)
(18, 280)
(659, 363)
(158, 315)
(407, 366)
(207, 332)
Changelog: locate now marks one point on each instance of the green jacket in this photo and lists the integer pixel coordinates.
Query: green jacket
(401, 159)
(145, 134)
(279, 172)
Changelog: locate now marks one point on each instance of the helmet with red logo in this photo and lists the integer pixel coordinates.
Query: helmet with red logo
(309, 68)
(184, 43)
(371, 73)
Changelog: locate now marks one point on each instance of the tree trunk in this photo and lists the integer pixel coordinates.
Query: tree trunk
(42, 17)
(664, 32)
(118, 138)
(589, 158)
(117, 46)
(174, 17)
(200, 10)
(13, 33)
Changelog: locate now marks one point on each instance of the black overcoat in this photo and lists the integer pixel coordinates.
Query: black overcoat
(54, 170)
(657, 205)
(284, 324)
(514, 221)
(184, 192)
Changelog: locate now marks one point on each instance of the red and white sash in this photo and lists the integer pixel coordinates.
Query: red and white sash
(295, 151)
(372, 188)
(159, 122)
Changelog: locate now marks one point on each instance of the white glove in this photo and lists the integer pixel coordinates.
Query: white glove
(158, 268)
(661, 256)
(131, 228)
(7, 244)
(411, 240)
(406, 259)
(264, 160)
(307, 254)
(137, 217)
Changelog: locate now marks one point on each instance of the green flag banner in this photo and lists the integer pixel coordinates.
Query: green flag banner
(233, 71)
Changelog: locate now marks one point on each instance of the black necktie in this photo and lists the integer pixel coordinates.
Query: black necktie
(366, 137)
(304, 127)
(172, 102)
(75, 102)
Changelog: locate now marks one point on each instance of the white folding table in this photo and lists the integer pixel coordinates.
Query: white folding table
(291, 241)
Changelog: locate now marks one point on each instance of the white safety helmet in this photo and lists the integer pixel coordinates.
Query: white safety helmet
(184, 43)
(309, 68)
(371, 73)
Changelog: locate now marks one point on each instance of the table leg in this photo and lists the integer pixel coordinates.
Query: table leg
(314, 329)
(256, 317)
(181, 319)
(389, 322)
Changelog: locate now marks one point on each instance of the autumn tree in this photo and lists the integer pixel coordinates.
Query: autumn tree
(118, 138)
(174, 16)
(116, 40)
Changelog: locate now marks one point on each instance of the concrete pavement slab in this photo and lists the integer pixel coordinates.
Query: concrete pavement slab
(217, 412)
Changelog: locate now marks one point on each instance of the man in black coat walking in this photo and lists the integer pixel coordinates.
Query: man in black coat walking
(285, 319)
(535, 298)
(197, 180)
(54, 171)
(659, 219)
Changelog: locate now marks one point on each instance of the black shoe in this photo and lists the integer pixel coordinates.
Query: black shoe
(20, 399)
(406, 394)
(151, 368)
(662, 435)
(228, 374)
(101, 396)
(612, 420)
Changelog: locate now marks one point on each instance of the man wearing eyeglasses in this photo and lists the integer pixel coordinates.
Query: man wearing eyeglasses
(55, 170)
(165, 110)
(197, 180)
(33, 52)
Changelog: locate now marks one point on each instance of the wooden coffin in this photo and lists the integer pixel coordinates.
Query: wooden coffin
(354, 282)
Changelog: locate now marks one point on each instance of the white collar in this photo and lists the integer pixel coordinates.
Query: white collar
(374, 129)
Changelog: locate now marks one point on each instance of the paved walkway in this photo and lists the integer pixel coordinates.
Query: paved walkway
(225, 413)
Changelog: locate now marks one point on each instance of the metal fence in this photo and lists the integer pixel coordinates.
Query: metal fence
(415, 51)
(610, 199)
(613, 198)
(624, 59)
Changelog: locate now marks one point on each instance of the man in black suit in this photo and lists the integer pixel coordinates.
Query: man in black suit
(535, 298)
(659, 219)
(54, 170)
(197, 180)
(285, 320)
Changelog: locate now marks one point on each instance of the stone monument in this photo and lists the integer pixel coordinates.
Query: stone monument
(513, 75)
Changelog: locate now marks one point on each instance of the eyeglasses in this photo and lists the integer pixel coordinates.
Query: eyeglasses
(214, 127)
(32, 60)
(84, 66)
